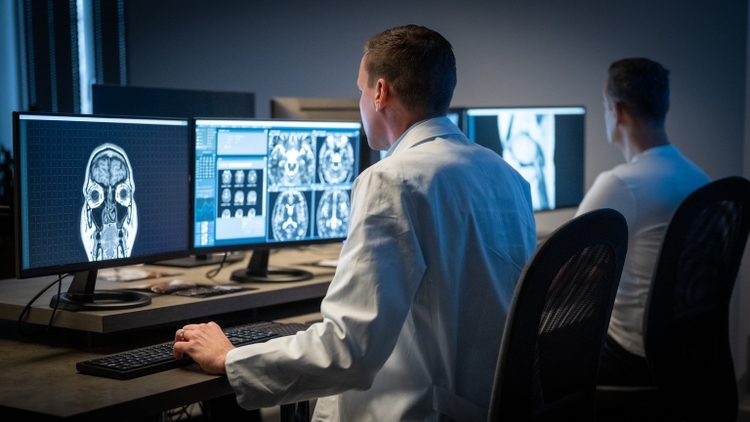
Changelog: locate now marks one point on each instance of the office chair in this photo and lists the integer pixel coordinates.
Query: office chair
(549, 353)
(686, 321)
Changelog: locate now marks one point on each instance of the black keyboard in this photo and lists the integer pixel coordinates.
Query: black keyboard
(148, 360)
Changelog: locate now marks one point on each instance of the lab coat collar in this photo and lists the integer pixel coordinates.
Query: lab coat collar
(422, 131)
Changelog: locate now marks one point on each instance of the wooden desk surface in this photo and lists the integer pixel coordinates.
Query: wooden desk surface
(15, 294)
(39, 380)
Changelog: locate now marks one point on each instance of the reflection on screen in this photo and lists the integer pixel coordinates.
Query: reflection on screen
(272, 181)
(545, 145)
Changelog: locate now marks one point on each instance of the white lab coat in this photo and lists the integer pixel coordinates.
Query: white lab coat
(439, 233)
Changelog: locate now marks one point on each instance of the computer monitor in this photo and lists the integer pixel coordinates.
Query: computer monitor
(128, 100)
(261, 184)
(94, 192)
(324, 108)
(545, 145)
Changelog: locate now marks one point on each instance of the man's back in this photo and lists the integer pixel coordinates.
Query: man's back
(463, 229)
(647, 191)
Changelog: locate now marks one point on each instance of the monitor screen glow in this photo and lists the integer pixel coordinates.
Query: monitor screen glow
(269, 183)
(96, 192)
(545, 145)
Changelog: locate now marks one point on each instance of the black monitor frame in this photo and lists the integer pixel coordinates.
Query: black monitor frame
(258, 269)
(81, 294)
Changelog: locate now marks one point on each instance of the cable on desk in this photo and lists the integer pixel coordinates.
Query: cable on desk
(27, 308)
(214, 272)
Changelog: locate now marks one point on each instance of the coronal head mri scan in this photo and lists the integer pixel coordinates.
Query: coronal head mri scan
(290, 217)
(336, 159)
(291, 160)
(109, 217)
(528, 145)
(332, 219)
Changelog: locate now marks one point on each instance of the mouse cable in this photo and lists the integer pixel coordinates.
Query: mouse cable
(214, 272)
(27, 308)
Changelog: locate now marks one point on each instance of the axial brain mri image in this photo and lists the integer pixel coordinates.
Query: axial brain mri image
(333, 214)
(291, 161)
(109, 217)
(290, 218)
(336, 157)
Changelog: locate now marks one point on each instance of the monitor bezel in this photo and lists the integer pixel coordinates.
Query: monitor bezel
(464, 110)
(263, 245)
(22, 273)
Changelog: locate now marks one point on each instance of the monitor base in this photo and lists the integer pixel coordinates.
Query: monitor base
(258, 271)
(201, 260)
(271, 275)
(100, 300)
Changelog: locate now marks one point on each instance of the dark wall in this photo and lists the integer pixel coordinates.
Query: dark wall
(510, 52)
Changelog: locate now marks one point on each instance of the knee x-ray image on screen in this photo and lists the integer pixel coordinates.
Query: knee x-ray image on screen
(109, 216)
(528, 142)
(273, 181)
(544, 144)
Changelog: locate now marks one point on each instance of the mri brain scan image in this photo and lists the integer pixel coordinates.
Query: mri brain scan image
(252, 177)
(226, 195)
(226, 177)
(109, 217)
(289, 217)
(336, 159)
(252, 197)
(239, 177)
(226, 214)
(239, 198)
(333, 213)
(291, 160)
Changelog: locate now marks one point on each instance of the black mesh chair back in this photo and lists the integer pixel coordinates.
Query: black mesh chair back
(686, 326)
(553, 336)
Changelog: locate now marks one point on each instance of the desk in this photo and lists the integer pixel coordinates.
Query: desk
(39, 377)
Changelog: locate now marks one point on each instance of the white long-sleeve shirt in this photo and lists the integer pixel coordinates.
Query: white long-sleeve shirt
(647, 191)
(440, 231)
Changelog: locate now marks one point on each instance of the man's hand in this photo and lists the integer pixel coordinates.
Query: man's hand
(205, 343)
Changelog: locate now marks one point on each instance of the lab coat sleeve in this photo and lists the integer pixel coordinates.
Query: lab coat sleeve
(378, 274)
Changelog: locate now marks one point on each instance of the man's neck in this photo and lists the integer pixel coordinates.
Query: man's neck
(642, 137)
(399, 121)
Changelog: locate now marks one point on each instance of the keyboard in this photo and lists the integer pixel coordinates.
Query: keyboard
(159, 357)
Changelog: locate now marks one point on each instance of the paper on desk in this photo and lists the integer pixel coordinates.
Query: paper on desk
(130, 274)
(332, 263)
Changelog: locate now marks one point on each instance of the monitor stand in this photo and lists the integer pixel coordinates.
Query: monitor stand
(81, 296)
(202, 259)
(258, 271)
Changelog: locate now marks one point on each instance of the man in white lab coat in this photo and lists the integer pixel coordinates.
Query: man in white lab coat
(440, 231)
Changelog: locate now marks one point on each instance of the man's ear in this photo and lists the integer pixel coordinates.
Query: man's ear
(618, 111)
(382, 94)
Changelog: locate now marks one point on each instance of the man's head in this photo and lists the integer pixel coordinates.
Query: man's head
(641, 88)
(415, 65)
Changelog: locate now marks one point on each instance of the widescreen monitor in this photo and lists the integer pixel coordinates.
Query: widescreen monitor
(545, 145)
(128, 100)
(94, 192)
(261, 184)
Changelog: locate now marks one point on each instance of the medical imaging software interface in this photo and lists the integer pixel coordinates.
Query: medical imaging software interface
(545, 145)
(99, 188)
(272, 181)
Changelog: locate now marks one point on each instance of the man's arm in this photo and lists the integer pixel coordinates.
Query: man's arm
(378, 274)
